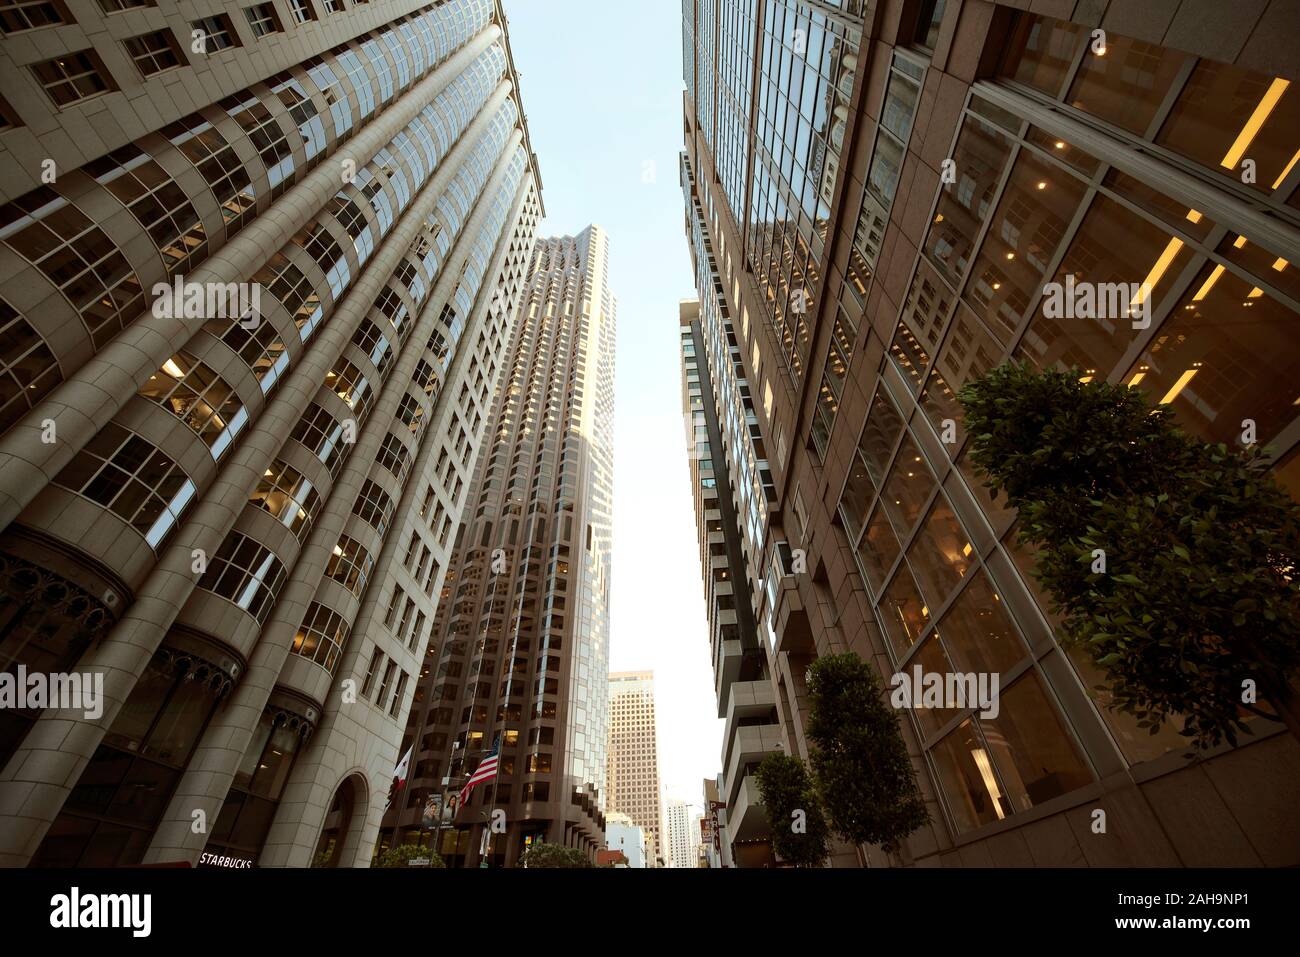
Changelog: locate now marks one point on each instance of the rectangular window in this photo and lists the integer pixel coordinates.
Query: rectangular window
(19, 15)
(217, 33)
(73, 77)
(376, 662)
(154, 52)
(262, 18)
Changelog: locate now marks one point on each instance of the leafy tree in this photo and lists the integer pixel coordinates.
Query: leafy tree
(403, 854)
(553, 855)
(1172, 561)
(787, 789)
(864, 774)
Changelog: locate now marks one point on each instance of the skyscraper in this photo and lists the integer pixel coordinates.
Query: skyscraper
(683, 834)
(878, 197)
(258, 270)
(634, 757)
(520, 657)
(729, 475)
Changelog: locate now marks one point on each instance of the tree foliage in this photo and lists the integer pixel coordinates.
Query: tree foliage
(794, 813)
(553, 855)
(864, 774)
(403, 854)
(1172, 561)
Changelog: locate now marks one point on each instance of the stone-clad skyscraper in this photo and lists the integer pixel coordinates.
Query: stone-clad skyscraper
(634, 758)
(239, 517)
(520, 655)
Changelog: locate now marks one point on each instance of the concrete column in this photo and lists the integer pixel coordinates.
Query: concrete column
(86, 400)
(37, 779)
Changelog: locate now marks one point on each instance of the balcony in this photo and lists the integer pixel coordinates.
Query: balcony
(727, 659)
(790, 621)
(747, 817)
(747, 699)
(748, 745)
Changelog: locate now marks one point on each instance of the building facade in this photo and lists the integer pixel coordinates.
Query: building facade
(878, 194)
(731, 483)
(520, 655)
(258, 271)
(624, 836)
(683, 825)
(634, 757)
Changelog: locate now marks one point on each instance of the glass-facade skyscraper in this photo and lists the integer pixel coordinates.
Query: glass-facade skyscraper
(877, 195)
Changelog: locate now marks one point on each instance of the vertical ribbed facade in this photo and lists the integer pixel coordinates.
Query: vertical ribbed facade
(520, 656)
(239, 515)
(880, 198)
(633, 772)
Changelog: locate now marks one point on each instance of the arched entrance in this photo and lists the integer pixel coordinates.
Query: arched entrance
(341, 832)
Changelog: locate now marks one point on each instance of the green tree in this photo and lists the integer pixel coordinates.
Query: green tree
(403, 854)
(794, 813)
(1172, 561)
(864, 774)
(553, 855)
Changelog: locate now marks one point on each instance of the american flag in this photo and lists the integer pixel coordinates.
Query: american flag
(487, 770)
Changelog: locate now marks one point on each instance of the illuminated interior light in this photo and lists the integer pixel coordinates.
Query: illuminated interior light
(1060, 144)
(966, 549)
(986, 773)
(1256, 121)
(1255, 293)
(1158, 270)
(172, 369)
(1239, 242)
(1011, 255)
(1179, 386)
(1193, 216)
(1137, 377)
(1280, 264)
(1289, 166)
(1208, 284)
(1042, 185)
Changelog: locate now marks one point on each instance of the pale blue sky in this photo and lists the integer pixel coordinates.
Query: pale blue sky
(602, 87)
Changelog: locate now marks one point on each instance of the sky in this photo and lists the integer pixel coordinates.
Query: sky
(601, 82)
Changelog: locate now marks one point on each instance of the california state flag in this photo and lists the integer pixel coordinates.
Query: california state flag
(399, 775)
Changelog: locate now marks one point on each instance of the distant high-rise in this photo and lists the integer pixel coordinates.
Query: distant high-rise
(634, 756)
(520, 651)
(233, 504)
(885, 199)
(683, 826)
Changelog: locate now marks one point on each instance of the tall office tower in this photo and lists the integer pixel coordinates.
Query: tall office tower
(254, 299)
(730, 483)
(634, 757)
(683, 825)
(877, 197)
(520, 654)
